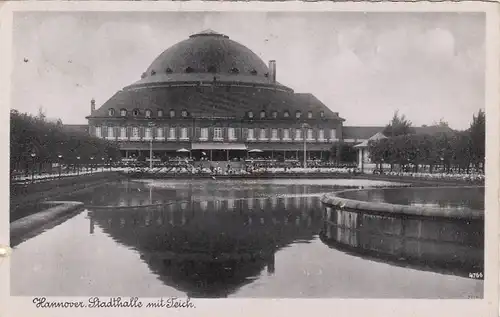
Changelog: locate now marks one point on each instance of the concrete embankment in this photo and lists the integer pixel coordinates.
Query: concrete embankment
(24, 197)
(31, 225)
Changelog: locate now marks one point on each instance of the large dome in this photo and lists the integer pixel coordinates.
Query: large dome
(204, 56)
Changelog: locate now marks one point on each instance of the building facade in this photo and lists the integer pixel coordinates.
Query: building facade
(212, 98)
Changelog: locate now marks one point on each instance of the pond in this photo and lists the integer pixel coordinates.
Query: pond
(225, 238)
(442, 197)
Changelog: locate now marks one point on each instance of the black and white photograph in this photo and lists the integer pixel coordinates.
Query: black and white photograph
(214, 154)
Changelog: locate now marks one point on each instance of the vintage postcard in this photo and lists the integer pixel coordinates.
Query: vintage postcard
(246, 158)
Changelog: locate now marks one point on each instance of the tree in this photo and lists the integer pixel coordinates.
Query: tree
(477, 131)
(399, 125)
(37, 141)
(441, 123)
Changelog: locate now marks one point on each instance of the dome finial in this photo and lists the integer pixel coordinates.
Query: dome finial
(209, 32)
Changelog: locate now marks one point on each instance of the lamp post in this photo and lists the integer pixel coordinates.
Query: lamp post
(304, 127)
(151, 125)
(60, 162)
(33, 155)
(78, 166)
(91, 164)
(102, 159)
(110, 163)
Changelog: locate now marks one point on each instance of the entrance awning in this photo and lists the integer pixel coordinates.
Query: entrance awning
(218, 146)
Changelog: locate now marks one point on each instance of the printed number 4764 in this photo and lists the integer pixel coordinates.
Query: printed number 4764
(476, 275)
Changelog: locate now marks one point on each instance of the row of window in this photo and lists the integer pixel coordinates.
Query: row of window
(218, 133)
(210, 69)
(286, 114)
(147, 113)
(184, 113)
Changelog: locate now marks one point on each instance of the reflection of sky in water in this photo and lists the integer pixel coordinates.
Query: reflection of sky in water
(140, 193)
(439, 197)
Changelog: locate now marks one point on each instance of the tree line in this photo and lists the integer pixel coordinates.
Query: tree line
(452, 150)
(36, 142)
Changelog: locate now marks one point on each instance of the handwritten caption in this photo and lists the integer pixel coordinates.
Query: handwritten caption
(116, 302)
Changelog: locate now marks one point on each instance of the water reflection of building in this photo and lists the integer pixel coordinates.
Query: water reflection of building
(440, 245)
(211, 248)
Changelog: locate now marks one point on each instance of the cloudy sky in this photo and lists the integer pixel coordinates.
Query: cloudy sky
(363, 65)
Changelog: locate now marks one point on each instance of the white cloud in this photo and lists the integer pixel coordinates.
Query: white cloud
(363, 65)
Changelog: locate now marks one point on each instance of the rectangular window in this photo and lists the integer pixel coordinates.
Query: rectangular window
(321, 134)
(298, 134)
(262, 135)
(111, 132)
(274, 134)
(148, 135)
(135, 133)
(333, 134)
(123, 133)
(204, 134)
(184, 133)
(231, 134)
(159, 133)
(218, 134)
(171, 133)
(286, 134)
(310, 134)
(251, 136)
(98, 132)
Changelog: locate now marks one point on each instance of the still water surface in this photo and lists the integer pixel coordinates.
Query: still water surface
(242, 238)
(442, 197)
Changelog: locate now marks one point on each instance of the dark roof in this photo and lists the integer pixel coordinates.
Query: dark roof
(364, 133)
(360, 133)
(207, 52)
(218, 101)
(83, 128)
(311, 103)
(433, 130)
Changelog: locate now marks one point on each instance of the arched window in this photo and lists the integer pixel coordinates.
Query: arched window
(322, 114)
(189, 69)
(172, 113)
(234, 70)
(160, 113)
(123, 112)
(153, 72)
(136, 112)
(275, 114)
(266, 75)
(212, 69)
(298, 114)
(253, 72)
(286, 114)
(184, 113)
(111, 112)
(147, 114)
(168, 70)
(262, 114)
(250, 114)
(309, 115)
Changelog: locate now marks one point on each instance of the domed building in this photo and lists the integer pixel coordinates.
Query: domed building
(214, 98)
